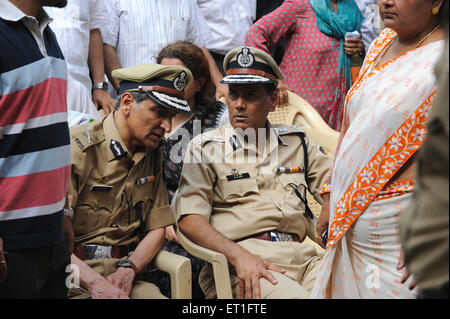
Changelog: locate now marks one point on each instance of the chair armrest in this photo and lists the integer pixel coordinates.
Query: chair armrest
(179, 270)
(216, 259)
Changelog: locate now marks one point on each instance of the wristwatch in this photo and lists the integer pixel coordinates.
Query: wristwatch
(127, 263)
(100, 86)
(68, 212)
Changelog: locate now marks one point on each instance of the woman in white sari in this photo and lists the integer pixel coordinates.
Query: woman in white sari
(373, 172)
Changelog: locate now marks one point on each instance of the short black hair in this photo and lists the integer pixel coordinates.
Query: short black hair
(270, 88)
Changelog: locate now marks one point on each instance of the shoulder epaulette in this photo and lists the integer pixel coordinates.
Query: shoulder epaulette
(288, 129)
(87, 135)
(204, 138)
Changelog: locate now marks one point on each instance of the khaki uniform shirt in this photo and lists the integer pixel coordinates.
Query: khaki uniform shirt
(228, 182)
(105, 215)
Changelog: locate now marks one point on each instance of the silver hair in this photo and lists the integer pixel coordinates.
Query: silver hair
(138, 97)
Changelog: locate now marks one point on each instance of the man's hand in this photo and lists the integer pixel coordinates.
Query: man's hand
(102, 98)
(407, 274)
(68, 230)
(102, 289)
(170, 234)
(3, 266)
(249, 269)
(324, 217)
(221, 91)
(122, 278)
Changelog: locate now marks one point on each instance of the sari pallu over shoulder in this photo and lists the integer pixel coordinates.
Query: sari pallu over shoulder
(387, 109)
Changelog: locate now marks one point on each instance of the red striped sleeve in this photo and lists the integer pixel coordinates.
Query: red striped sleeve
(45, 98)
(33, 190)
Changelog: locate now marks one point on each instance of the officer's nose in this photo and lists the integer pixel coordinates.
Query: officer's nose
(166, 124)
(240, 104)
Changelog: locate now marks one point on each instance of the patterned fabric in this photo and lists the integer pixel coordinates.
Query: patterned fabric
(207, 115)
(311, 59)
(392, 101)
(34, 136)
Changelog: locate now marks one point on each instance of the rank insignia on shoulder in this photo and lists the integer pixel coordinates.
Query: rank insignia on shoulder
(282, 130)
(145, 180)
(116, 148)
(235, 177)
(78, 142)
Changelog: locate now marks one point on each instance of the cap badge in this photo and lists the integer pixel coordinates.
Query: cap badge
(245, 59)
(180, 81)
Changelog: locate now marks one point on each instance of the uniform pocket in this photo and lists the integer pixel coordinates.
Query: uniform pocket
(144, 194)
(93, 213)
(238, 188)
(293, 179)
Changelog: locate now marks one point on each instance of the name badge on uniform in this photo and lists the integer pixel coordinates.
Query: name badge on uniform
(235, 177)
(100, 188)
(145, 180)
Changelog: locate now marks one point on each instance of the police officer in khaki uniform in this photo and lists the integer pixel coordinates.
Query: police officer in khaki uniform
(117, 197)
(243, 188)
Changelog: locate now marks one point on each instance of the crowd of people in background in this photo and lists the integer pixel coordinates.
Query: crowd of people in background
(101, 100)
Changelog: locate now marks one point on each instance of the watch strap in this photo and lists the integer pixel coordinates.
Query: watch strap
(131, 265)
(100, 86)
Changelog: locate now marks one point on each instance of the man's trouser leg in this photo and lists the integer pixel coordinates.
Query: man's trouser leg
(299, 260)
(37, 273)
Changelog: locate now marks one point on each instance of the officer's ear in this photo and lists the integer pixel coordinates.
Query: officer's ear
(273, 101)
(127, 102)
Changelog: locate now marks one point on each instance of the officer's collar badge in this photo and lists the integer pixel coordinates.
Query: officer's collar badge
(245, 59)
(116, 148)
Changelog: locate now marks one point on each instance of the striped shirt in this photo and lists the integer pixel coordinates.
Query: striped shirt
(34, 136)
(139, 29)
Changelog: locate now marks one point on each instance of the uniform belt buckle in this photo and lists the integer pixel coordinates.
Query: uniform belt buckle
(94, 252)
(276, 236)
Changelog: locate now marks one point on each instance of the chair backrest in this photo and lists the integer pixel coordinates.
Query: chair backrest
(301, 113)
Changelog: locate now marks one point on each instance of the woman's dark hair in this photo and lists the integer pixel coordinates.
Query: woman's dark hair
(192, 56)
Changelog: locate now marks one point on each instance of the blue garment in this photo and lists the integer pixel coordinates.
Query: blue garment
(348, 18)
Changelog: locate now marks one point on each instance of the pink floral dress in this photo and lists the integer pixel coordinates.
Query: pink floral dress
(311, 58)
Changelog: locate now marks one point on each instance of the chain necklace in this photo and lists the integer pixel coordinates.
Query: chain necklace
(418, 44)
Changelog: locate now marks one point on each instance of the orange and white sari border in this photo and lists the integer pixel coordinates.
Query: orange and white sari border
(397, 188)
(379, 170)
